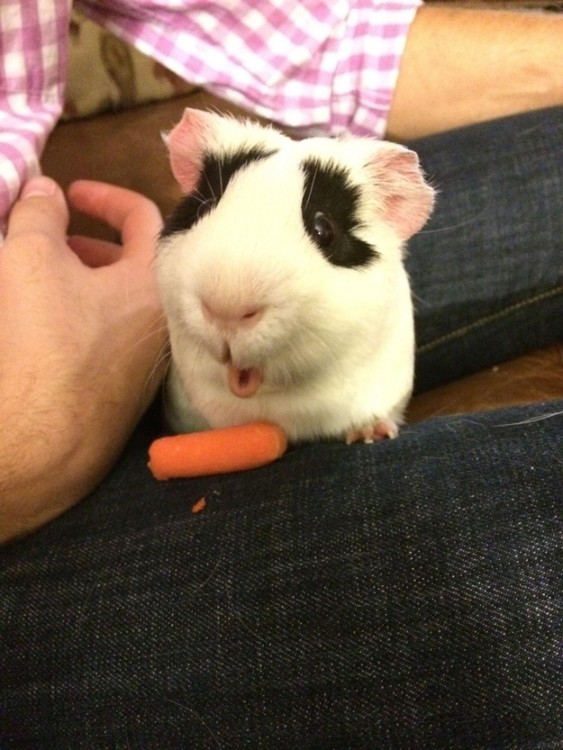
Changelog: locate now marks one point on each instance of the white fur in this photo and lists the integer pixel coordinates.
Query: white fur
(335, 345)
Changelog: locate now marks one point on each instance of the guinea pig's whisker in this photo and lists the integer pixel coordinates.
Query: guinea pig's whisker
(204, 203)
(311, 187)
(153, 259)
(164, 356)
(221, 187)
(210, 186)
(153, 330)
(450, 227)
(420, 300)
(163, 361)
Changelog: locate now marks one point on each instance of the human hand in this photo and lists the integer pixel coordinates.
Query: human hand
(81, 333)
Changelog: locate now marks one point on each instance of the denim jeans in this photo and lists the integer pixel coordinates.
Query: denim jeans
(404, 595)
(487, 269)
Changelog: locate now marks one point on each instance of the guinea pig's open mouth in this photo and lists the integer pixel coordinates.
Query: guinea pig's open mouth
(243, 383)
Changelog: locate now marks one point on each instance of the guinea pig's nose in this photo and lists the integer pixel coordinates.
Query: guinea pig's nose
(233, 316)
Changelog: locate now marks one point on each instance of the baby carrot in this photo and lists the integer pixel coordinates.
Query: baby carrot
(219, 451)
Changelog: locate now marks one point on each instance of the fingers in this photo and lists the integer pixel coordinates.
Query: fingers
(40, 209)
(134, 216)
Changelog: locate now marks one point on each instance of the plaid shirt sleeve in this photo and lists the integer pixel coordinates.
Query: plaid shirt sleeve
(33, 47)
(316, 66)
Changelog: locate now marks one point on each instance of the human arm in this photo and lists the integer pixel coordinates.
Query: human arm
(80, 337)
(33, 59)
(462, 66)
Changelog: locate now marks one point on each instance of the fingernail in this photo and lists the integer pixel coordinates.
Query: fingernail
(39, 186)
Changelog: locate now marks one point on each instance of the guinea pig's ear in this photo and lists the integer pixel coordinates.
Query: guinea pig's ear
(199, 134)
(406, 197)
(187, 144)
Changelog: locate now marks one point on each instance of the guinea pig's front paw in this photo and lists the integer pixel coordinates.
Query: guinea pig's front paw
(384, 428)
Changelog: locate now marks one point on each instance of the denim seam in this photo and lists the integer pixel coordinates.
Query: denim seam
(505, 312)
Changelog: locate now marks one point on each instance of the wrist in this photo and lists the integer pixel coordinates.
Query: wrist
(38, 479)
(49, 458)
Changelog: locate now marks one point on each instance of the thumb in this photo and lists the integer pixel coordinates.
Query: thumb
(41, 208)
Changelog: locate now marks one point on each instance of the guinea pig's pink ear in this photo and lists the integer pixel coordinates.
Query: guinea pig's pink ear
(187, 144)
(406, 197)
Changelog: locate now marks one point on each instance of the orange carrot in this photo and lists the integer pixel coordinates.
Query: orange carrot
(199, 454)
(198, 506)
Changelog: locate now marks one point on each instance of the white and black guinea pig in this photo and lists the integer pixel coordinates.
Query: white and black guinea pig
(281, 274)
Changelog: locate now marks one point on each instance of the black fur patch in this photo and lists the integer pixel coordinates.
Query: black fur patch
(329, 210)
(215, 176)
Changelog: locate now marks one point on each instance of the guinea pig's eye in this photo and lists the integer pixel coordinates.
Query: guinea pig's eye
(324, 230)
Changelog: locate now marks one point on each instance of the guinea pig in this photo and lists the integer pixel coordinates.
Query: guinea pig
(282, 279)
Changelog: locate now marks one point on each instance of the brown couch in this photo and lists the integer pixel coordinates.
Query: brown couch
(125, 148)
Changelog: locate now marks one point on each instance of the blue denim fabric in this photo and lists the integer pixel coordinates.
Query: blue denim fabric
(400, 596)
(487, 270)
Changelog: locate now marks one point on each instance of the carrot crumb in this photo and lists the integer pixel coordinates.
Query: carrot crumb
(199, 506)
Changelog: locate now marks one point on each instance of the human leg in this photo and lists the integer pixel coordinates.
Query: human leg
(397, 595)
(487, 270)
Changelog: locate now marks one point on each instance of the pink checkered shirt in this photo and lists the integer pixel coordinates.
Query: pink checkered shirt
(318, 66)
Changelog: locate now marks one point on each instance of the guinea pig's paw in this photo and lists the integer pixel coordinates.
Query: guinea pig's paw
(383, 428)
